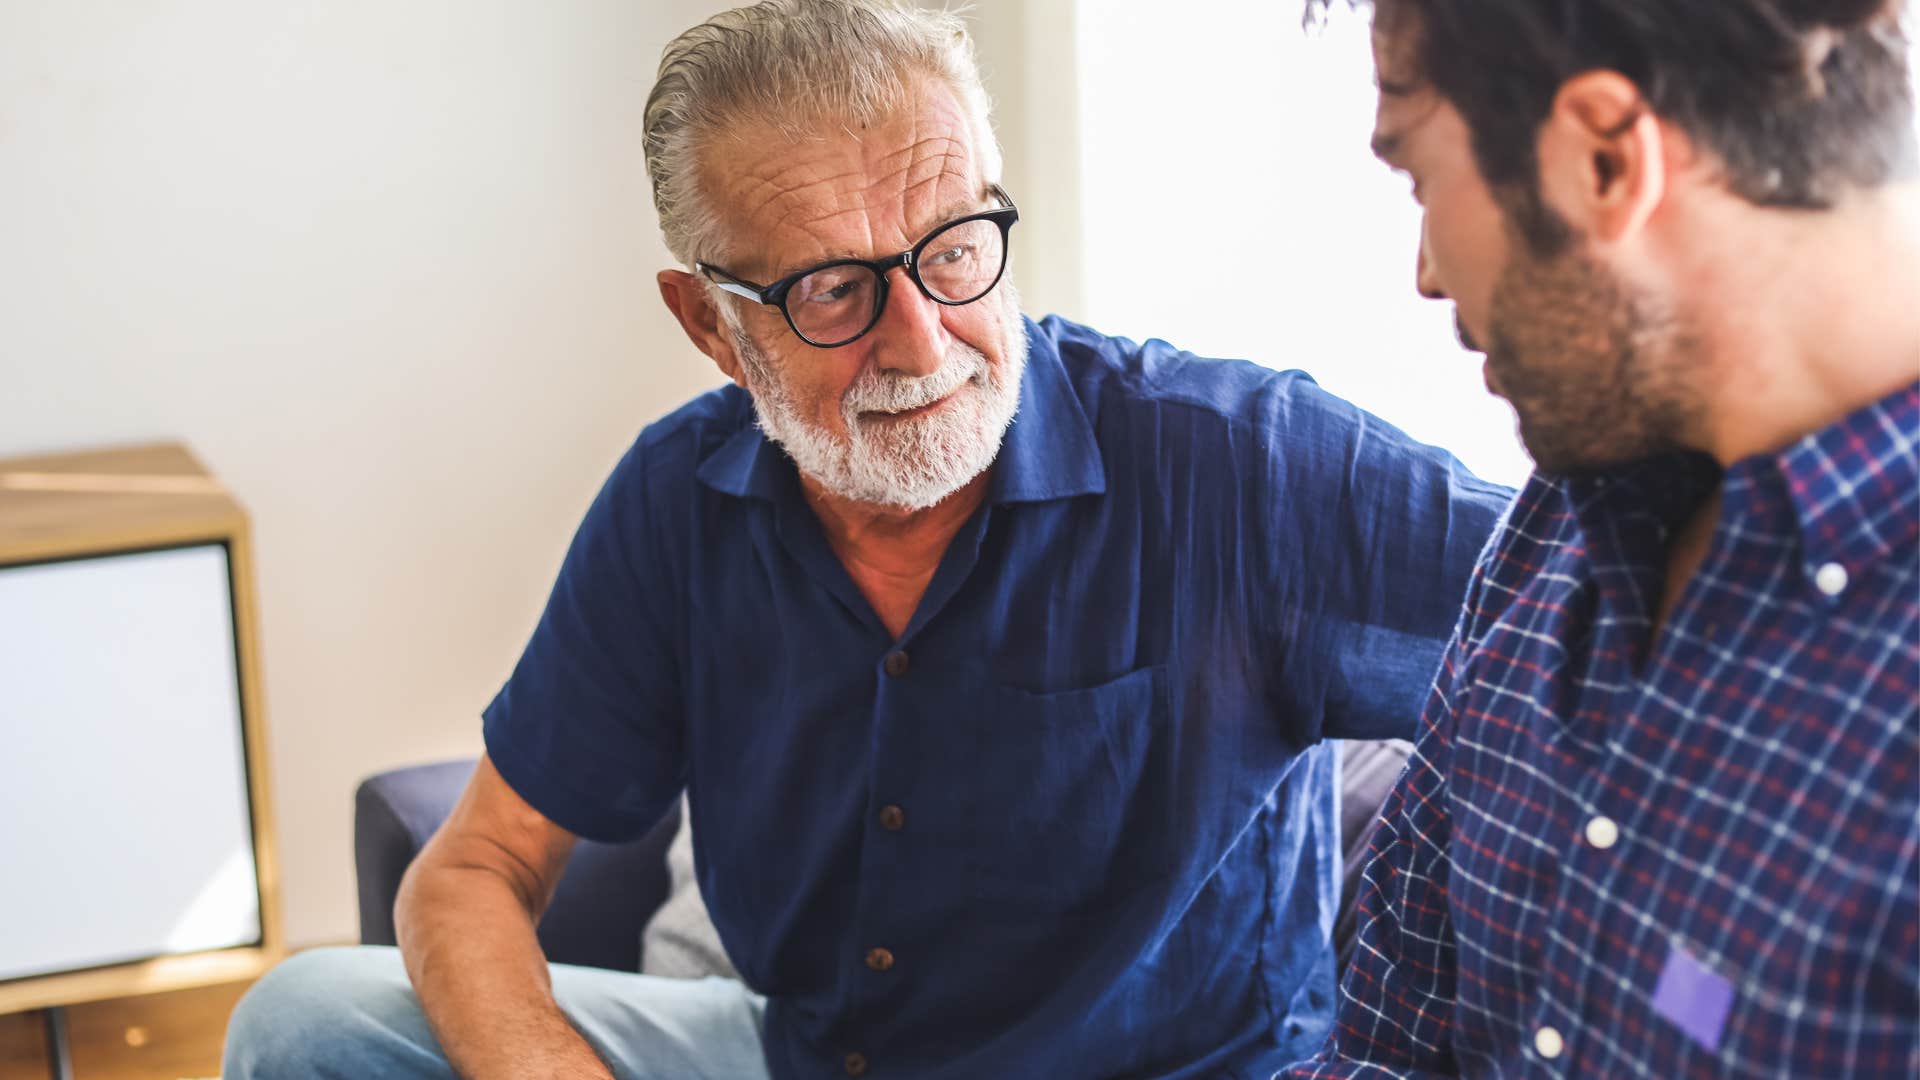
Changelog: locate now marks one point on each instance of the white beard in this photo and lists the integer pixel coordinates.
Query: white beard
(900, 464)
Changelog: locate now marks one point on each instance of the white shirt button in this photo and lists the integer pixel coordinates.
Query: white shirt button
(1831, 579)
(1602, 833)
(1549, 1043)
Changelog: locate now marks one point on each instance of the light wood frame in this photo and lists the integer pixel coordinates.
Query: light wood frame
(125, 500)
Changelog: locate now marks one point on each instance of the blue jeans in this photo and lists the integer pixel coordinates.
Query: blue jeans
(351, 1013)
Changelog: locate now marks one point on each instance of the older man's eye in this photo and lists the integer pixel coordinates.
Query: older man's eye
(948, 256)
(832, 287)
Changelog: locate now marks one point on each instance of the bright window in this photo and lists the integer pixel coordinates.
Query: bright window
(1233, 208)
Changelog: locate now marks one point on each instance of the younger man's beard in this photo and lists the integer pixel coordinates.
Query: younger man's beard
(1597, 372)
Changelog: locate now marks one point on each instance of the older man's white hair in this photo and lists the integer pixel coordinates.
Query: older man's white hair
(802, 66)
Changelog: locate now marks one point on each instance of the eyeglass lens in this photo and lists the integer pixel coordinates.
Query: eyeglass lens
(957, 265)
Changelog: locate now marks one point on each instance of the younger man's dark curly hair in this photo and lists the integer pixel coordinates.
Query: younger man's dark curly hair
(1799, 99)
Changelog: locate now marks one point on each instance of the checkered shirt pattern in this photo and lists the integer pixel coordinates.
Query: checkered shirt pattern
(1591, 815)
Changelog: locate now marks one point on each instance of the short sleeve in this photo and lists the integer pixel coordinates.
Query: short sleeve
(589, 729)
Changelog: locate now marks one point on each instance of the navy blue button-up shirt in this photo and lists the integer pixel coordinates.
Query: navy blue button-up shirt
(1099, 737)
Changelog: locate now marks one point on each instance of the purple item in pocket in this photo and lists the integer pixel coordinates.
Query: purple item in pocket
(1693, 996)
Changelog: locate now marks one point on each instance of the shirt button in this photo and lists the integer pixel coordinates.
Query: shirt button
(1549, 1043)
(892, 818)
(1831, 579)
(1602, 833)
(856, 1063)
(879, 959)
(896, 664)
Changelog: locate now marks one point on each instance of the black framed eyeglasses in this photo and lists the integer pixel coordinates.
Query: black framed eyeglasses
(834, 303)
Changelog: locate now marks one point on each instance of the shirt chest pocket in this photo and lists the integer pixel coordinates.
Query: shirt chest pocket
(1070, 794)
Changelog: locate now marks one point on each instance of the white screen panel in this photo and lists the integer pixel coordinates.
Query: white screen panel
(124, 830)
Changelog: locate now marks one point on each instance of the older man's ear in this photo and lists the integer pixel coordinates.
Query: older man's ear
(691, 303)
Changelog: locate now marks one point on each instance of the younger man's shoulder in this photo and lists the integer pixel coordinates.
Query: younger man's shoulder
(1528, 551)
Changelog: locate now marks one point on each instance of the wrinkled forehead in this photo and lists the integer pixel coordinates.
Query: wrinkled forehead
(792, 194)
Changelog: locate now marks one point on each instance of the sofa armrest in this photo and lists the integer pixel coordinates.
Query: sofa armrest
(599, 908)
(394, 814)
(1368, 773)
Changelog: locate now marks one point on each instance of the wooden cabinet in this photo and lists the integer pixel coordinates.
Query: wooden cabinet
(152, 1037)
(164, 1015)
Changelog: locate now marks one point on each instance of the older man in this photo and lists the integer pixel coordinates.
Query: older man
(1663, 816)
(1002, 737)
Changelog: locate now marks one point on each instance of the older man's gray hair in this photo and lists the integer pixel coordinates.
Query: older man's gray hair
(801, 66)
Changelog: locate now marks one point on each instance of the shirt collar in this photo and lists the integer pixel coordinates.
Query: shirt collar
(1852, 488)
(1048, 453)
(748, 465)
(1855, 484)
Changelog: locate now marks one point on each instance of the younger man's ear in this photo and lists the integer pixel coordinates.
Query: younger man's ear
(692, 304)
(1604, 158)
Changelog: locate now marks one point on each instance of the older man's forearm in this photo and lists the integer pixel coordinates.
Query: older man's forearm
(469, 947)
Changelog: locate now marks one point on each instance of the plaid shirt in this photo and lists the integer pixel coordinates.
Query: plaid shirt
(1611, 856)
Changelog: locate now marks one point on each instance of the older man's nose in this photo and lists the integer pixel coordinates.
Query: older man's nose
(909, 338)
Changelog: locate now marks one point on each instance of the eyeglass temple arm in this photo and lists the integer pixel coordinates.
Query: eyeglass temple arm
(738, 290)
(728, 283)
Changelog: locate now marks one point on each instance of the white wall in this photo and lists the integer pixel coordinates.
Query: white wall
(388, 269)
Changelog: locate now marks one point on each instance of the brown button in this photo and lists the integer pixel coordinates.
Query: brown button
(879, 959)
(892, 818)
(896, 664)
(856, 1064)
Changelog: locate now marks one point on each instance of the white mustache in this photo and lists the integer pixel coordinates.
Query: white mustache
(874, 392)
